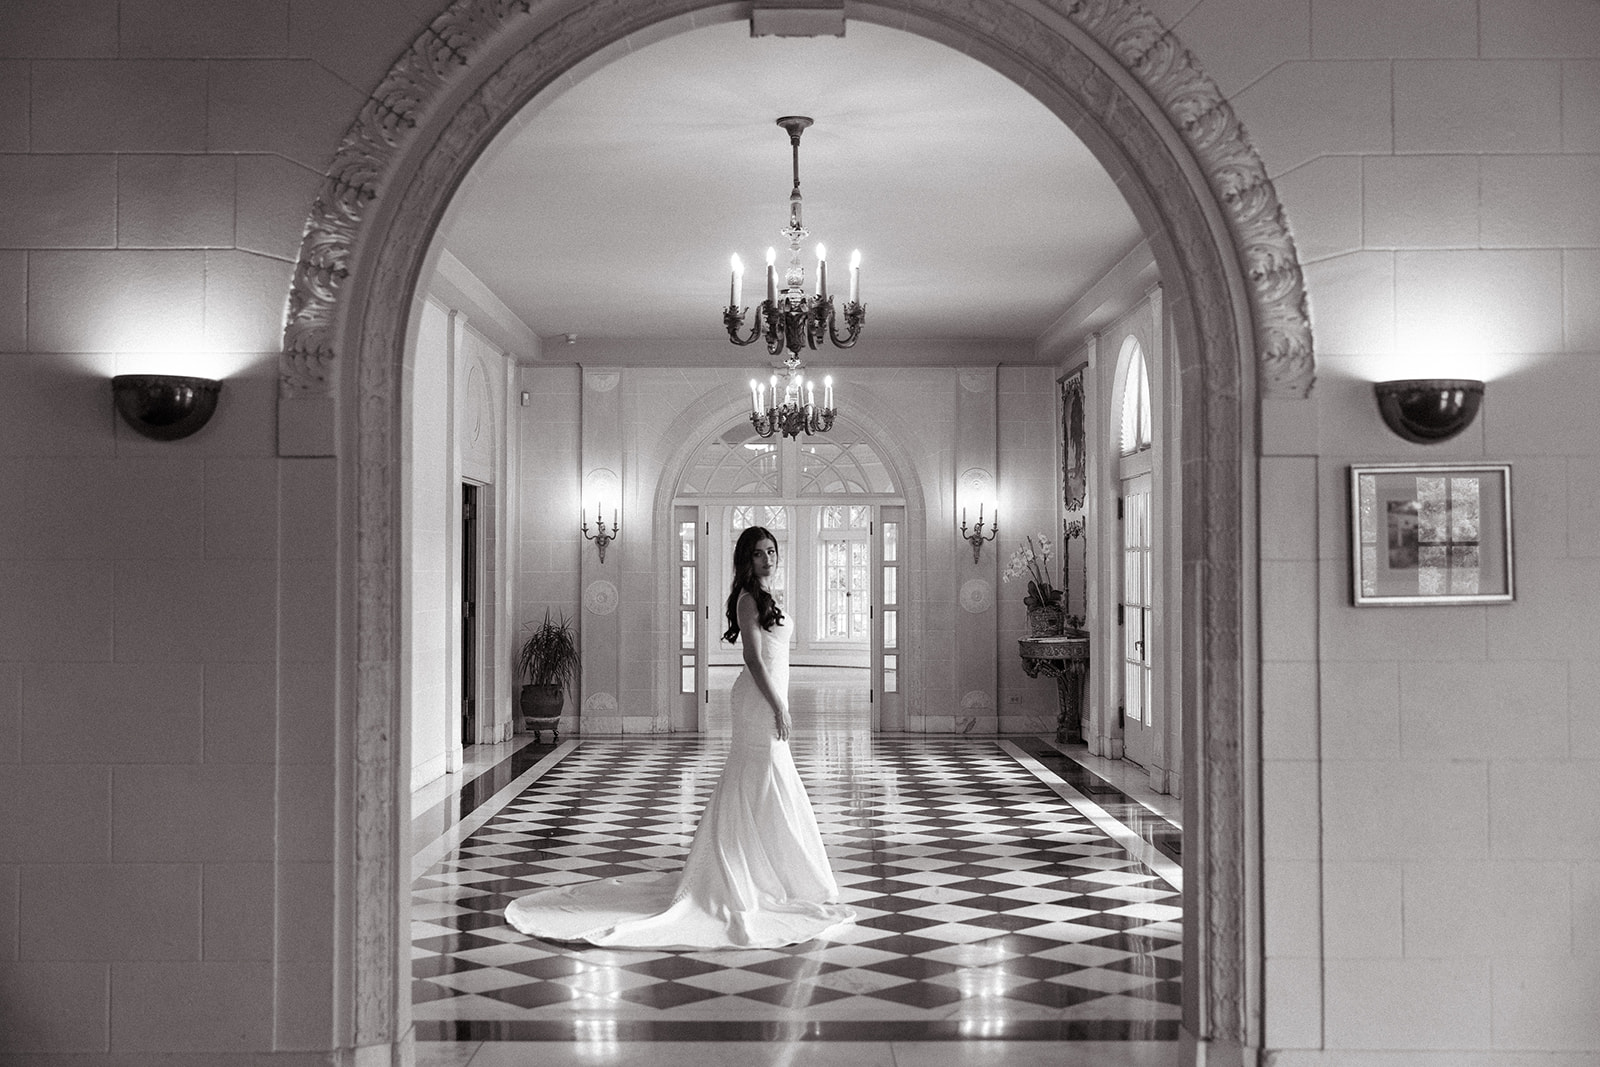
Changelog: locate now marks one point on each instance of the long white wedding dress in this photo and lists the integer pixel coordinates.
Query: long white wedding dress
(756, 875)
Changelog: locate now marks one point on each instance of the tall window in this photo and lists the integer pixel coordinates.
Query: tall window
(775, 518)
(844, 577)
(1136, 611)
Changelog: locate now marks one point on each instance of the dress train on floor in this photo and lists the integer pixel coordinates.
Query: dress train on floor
(756, 875)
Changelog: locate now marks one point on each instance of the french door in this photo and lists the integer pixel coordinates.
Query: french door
(1136, 616)
(841, 578)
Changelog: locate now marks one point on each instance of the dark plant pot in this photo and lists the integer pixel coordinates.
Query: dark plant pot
(1043, 622)
(541, 710)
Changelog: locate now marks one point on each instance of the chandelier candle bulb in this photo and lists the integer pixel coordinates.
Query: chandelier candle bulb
(827, 392)
(855, 276)
(736, 283)
(822, 272)
(772, 275)
(811, 394)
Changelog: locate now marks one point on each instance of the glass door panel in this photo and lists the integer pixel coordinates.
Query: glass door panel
(884, 619)
(1137, 619)
(693, 618)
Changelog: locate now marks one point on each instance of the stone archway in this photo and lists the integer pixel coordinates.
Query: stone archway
(1120, 80)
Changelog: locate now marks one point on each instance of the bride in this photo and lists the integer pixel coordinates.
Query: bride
(756, 875)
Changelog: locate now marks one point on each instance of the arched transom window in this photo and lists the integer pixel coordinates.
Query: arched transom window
(1134, 389)
(736, 462)
(739, 462)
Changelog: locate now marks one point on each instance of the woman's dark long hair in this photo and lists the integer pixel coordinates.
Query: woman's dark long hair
(745, 581)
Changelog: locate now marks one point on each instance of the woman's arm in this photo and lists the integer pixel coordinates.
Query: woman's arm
(750, 629)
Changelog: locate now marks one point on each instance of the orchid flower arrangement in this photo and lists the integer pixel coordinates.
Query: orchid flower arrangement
(1032, 561)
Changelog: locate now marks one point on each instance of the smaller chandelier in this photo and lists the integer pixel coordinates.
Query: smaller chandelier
(792, 408)
(788, 321)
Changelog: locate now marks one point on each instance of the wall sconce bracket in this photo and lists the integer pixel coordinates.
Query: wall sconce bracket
(976, 537)
(602, 537)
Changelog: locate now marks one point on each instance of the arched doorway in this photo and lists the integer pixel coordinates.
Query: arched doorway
(837, 507)
(1110, 72)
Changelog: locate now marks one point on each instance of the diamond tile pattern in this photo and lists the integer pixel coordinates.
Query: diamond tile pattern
(988, 906)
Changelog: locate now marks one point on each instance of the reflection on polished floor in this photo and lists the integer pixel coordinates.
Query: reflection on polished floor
(1015, 906)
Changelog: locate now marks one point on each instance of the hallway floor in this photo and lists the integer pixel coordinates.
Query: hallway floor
(1016, 907)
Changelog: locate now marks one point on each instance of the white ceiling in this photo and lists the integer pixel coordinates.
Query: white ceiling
(611, 212)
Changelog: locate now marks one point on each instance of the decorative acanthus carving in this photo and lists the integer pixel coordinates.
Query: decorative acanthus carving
(1196, 104)
(361, 163)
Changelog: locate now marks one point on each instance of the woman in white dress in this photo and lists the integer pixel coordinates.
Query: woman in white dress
(756, 875)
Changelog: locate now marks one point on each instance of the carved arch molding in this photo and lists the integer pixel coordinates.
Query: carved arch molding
(1118, 77)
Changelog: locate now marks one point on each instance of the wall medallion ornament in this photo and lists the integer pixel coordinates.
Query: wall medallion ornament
(976, 484)
(976, 700)
(478, 427)
(977, 596)
(600, 598)
(602, 381)
(600, 705)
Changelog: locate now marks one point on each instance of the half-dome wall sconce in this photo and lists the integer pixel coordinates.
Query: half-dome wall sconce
(165, 407)
(1429, 410)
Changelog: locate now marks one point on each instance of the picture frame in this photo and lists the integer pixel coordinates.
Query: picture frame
(1074, 460)
(1423, 534)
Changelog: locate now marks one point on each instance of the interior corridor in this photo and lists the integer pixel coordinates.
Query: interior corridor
(1019, 903)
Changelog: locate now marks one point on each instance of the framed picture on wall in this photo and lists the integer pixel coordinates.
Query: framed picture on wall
(1074, 464)
(1437, 534)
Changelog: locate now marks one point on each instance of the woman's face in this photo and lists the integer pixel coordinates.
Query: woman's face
(764, 559)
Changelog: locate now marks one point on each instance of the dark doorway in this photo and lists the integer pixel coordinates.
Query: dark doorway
(469, 613)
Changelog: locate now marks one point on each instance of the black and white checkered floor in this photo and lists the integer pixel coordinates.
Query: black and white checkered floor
(1004, 892)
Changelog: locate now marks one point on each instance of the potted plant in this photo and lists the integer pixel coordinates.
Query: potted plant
(1045, 603)
(548, 664)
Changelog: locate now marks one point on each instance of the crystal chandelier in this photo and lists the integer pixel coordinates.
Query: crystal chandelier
(788, 319)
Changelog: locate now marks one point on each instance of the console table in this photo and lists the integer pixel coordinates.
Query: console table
(1066, 659)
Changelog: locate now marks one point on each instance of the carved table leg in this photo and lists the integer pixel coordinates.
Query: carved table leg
(1069, 701)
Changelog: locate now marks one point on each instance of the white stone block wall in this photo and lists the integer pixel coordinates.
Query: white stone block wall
(1441, 187)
